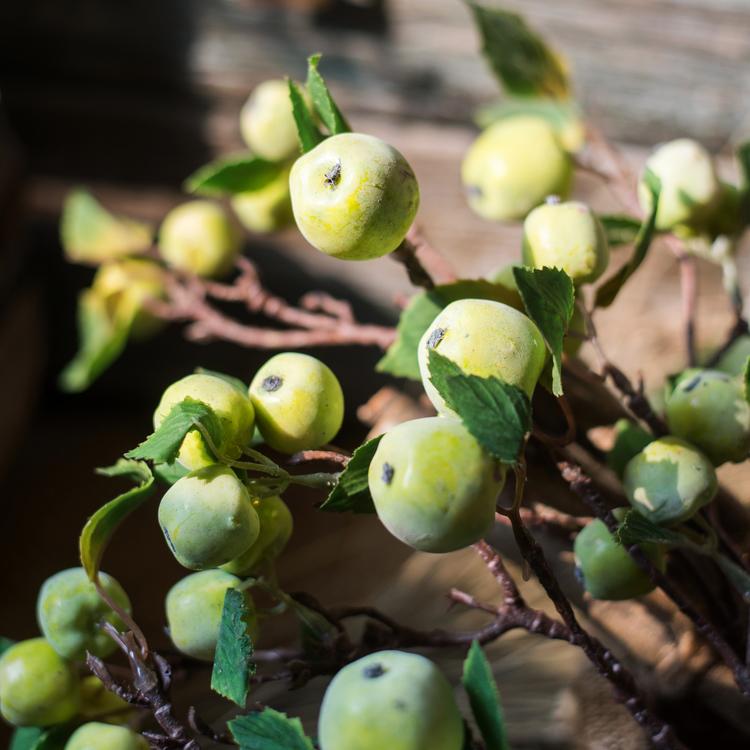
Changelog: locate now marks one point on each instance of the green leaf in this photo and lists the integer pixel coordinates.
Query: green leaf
(163, 445)
(307, 131)
(746, 379)
(484, 699)
(241, 173)
(519, 58)
(496, 413)
(236, 382)
(737, 576)
(102, 525)
(233, 664)
(606, 293)
(269, 730)
(102, 336)
(620, 229)
(91, 234)
(401, 358)
(26, 738)
(352, 491)
(169, 473)
(637, 529)
(549, 296)
(322, 100)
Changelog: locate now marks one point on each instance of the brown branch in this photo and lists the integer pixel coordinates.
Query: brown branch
(406, 254)
(329, 456)
(435, 263)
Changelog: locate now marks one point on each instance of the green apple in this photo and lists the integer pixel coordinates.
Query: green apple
(567, 236)
(207, 518)
(231, 406)
(513, 166)
(37, 686)
(69, 611)
(669, 481)
(690, 188)
(708, 408)
(96, 735)
(99, 703)
(433, 485)
(267, 123)
(199, 237)
(298, 402)
(194, 606)
(267, 209)
(276, 523)
(354, 197)
(390, 700)
(484, 338)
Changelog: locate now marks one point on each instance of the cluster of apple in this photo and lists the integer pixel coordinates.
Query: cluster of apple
(41, 682)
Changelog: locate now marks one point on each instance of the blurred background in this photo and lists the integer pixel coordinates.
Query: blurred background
(127, 99)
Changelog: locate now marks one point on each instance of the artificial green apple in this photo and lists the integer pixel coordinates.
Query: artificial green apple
(194, 606)
(298, 402)
(690, 188)
(199, 237)
(96, 735)
(231, 406)
(354, 197)
(708, 408)
(276, 525)
(207, 518)
(69, 611)
(267, 209)
(99, 703)
(669, 481)
(390, 700)
(433, 485)
(484, 338)
(513, 166)
(566, 236)
(267, 123)
(37, 686)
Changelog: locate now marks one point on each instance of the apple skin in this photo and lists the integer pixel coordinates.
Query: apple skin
(231, 406)
(513, 166)
(96, 735)
(69, 610)
(298, 402)
(669, 481)
(567, 236)
(199, 237)
(268, 209)
(690, 188)
(484, 338)
(390, 700)
(354, 196)
(37, 686)
(267, 122)
(433, 485)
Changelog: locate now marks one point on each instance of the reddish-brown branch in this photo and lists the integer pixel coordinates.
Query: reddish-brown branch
(334, 457)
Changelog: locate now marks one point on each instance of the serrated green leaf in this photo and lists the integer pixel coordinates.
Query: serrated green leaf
(242, 173)
(496, 413)
(136, 471)
(737, 576)
(102, 336)
(484, 699)
(91, 234)
(519, 58)
(169, 473)
(619, 228)
(549, 296)
(163, 445)
(606, 293)
(102, 525)
(269, 730)
(637, 529)
(233, 665)
(322, 100)
(236, 382)
(352, 492)
(307, 131)
(401, 358)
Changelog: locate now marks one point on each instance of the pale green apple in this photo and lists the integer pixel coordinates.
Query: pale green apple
(390, 700)
(690, 188)
(484, 338)
(199, 237)
(298, 401)
(231, 406)
(433, 485)
(354, 197)
(267, 123)
(95, 735)
(268, 209)
(99, 703)
(567, 236)
(513, 166)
